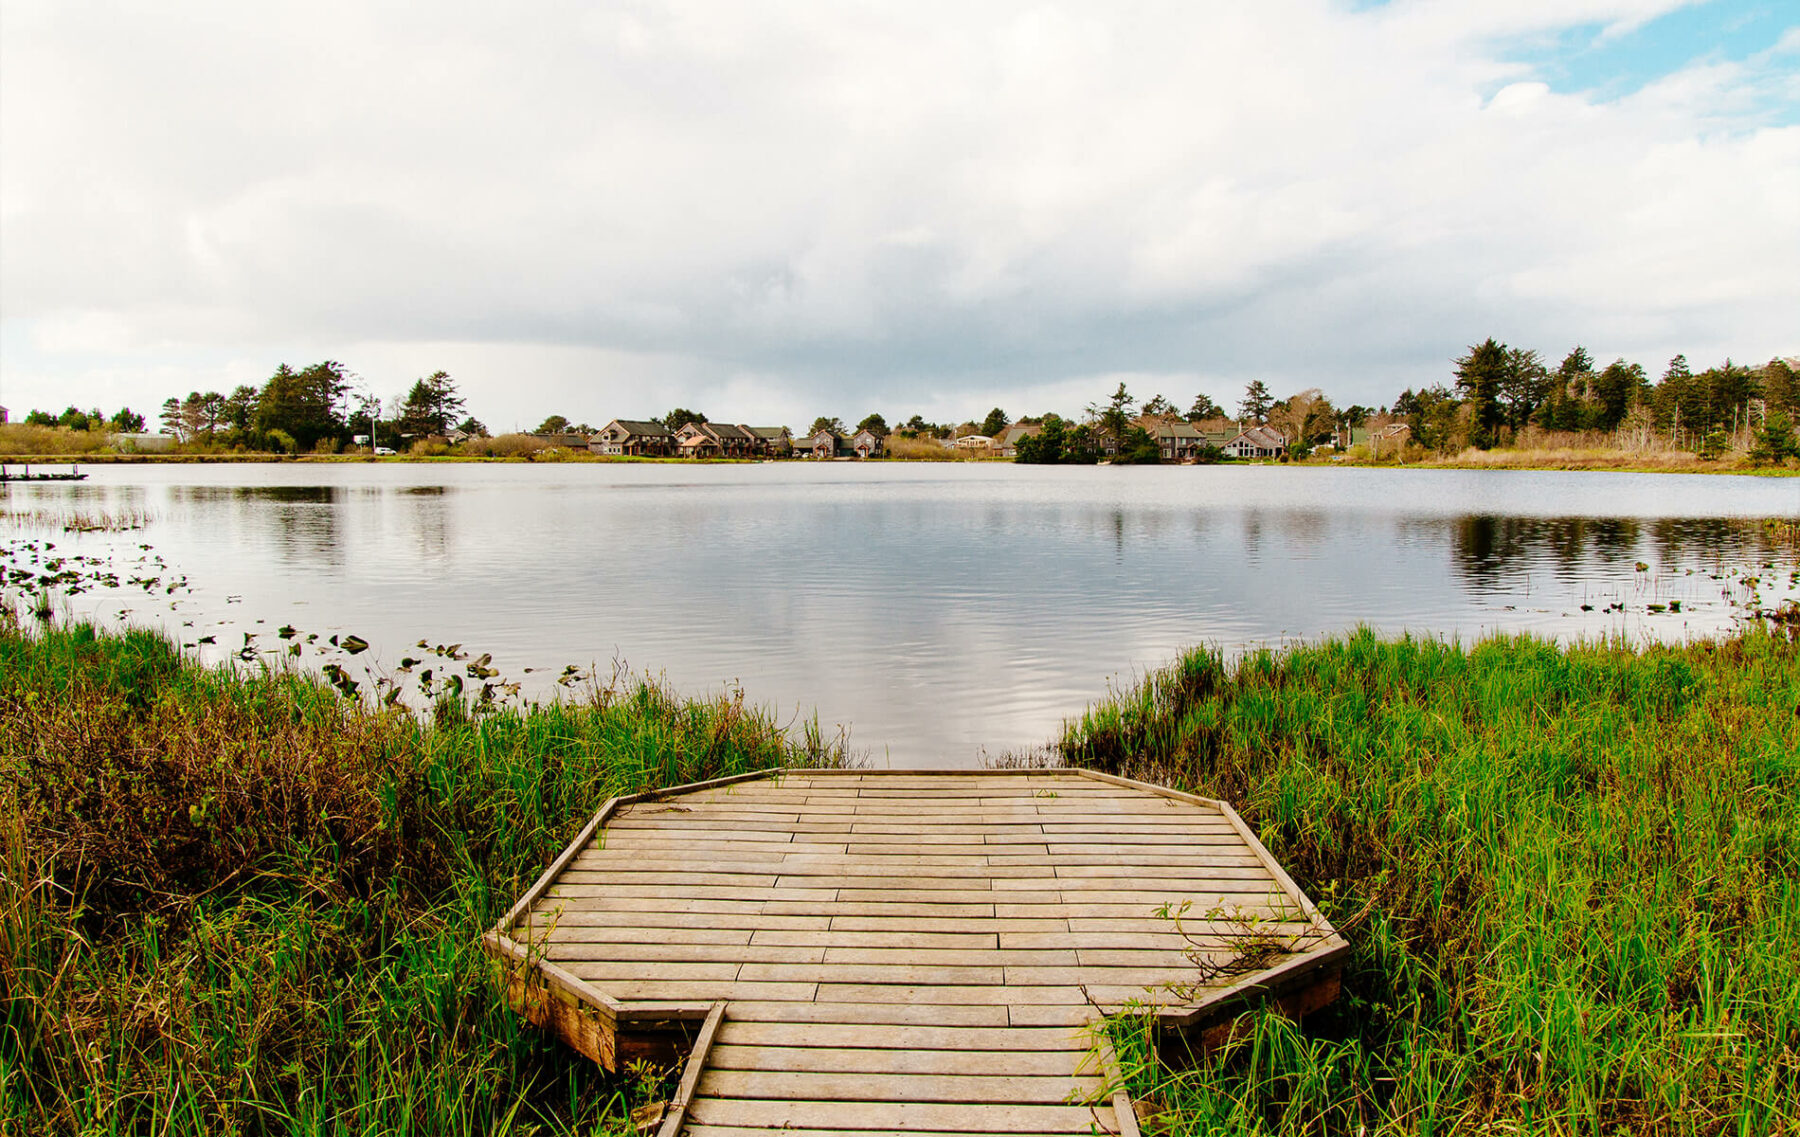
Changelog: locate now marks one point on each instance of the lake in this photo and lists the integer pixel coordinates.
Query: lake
(939, 613)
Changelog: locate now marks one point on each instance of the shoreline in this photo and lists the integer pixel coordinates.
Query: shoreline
(1506, 461)
(1426, 793)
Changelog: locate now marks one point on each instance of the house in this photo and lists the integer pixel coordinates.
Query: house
(1176, 440)
(3, 418)
(628, 437)
(1006, 443)
(567, 439)
(714, 440)
(974, 443)
(772, 441)
(1257, 442)
(824, 444)
(866, 444)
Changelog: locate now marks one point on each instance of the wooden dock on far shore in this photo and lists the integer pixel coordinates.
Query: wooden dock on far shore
(856, 952)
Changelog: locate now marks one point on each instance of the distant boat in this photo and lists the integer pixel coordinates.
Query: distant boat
(74, 475)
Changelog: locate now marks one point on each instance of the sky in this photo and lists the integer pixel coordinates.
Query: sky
(775, 211)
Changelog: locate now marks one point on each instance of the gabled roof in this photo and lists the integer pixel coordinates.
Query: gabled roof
(724, 430)
(769, 433)
(1263, 438)
(633, 426)
(1019, 430)
(1177, 429)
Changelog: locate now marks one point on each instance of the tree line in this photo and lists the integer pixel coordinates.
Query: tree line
(318, 407)
(1502, 391)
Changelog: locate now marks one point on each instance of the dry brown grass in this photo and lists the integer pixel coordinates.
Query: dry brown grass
(924, 450)
(18, 439)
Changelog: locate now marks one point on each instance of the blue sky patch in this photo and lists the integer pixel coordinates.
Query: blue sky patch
(1584, 58)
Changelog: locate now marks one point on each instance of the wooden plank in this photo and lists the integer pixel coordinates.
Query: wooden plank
(895, 940)
(722, 847)
(1165, 939)
(869, 973)
(1066, 1016)
(944, 911)
(866, 1014)
(564, 950)
(698, 892)
(923, 882)
(846, 1116)
(697, 1060)
(962, 895)
(969, 1091)
(703, 990)
(1113, 842)
(618, 939)
(877, 922)
(946, 994)
(1124, 1115)
(1133, 906)
(743, 916)
(946, 957)
(682, 880)
(886, 1058)
(914, 1038)
(1139, 856)
(1139, 882)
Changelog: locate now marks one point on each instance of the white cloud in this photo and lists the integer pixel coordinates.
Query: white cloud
(863, 206)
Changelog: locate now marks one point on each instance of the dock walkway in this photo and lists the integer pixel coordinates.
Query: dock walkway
(860, 952)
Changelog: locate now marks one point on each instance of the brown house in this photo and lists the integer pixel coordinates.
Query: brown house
(629, 437)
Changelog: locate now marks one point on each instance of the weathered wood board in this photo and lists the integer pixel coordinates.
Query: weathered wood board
(905, 952)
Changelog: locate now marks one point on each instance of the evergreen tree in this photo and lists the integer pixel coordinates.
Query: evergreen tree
(1479, 376)
(1204, 408)
(680, 417)
(304, 405)
(995, 422)
(1615, 390)
(1256, 403)
(1523, 385)
(1113, 419)
(431, 406)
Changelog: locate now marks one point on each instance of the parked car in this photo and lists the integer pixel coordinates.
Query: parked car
(384, 452)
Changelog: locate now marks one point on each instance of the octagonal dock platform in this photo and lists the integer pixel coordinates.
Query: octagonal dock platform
(867, 952)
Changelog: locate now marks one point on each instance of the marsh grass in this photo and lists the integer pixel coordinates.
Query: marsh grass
(1573, 874)
(240, 903)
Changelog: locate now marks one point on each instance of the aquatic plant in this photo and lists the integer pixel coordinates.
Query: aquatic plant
(235, 901)
(1570, 876)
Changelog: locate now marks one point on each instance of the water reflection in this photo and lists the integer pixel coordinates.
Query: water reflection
(938, 612)
(1487, 547)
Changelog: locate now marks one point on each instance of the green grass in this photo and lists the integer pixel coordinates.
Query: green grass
(1570, 877)
(237, 903)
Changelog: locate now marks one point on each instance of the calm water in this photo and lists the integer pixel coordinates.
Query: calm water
(937, 612)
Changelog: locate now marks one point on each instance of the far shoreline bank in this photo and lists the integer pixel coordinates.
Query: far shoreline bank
(1491, 460)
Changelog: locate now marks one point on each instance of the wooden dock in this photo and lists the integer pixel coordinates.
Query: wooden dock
(861, 952)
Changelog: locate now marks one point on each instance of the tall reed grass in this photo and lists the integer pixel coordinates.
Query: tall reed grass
(1570, 875)
(238, 903)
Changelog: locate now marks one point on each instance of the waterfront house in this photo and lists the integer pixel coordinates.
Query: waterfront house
(1176, 440)
(1257, 442)
(1006, 443)
(866, 444)
(772, 441)
(975, 444)
(630, 437)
